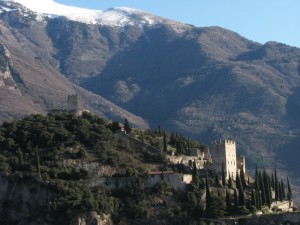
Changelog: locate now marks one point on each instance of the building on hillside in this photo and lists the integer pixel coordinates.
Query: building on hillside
(172, 179)
(223, 153)
(72, 104)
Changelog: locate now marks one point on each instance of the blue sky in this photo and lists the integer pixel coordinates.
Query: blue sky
(258, 20)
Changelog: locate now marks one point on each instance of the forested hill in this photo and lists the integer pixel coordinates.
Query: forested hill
(52, 166)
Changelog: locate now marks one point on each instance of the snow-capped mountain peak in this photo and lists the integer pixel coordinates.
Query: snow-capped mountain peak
(120, 16)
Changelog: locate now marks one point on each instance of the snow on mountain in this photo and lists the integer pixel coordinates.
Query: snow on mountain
(120, 16)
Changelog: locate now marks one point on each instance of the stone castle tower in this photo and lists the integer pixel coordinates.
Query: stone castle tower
(224, 153)
(72, 103)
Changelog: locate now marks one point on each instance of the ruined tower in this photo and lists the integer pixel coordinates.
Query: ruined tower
(72, 103)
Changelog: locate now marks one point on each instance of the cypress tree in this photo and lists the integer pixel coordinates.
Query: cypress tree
(127, 127)
(262, 189)
(268, 190)
(223, 176)
(279, 191)
(253, 199)
(208, 195)
(238, 182)
(235, 201)
(165, 148)
(229, 181)
(228, 203)
(273, 182)
(195, 176)
(173, 139)
(276, 186)
(243, 179)
(241, 197)
(217, 182)
(258, 200)
(282, 189)
(257, 190)
(289, 193)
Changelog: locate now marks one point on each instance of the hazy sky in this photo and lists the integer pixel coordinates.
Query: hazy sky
(258, 20)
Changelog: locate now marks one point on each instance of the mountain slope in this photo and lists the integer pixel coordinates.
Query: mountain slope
(40, 84)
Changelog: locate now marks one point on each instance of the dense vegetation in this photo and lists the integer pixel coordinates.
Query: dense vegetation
(50, 151)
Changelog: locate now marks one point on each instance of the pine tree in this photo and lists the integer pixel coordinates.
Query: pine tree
(223, 176)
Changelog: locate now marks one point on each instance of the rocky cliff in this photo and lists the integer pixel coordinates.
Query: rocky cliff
(24, 201)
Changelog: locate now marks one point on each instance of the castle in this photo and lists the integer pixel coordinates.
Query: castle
(221, 153)
(224, 155)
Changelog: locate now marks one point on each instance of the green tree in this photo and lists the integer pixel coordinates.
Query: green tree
(228, 203)
(217, 207)
(235, 201)
(238, 182)
(282, 189)
(127, 127)
(241, 197)
(38, 165)
(230, 181)
(217, 182)
(289, 193)
(195, 175)
(114, 126)
(223, 176)
(165, 148)
(208, 197)
(276, 186)
(267, 186)
(243, 179)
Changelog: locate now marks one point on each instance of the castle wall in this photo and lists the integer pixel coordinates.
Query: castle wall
(187, 161)
(241, 163)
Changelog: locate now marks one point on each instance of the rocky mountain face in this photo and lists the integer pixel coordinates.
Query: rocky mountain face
(32, 81)
(208, 83)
